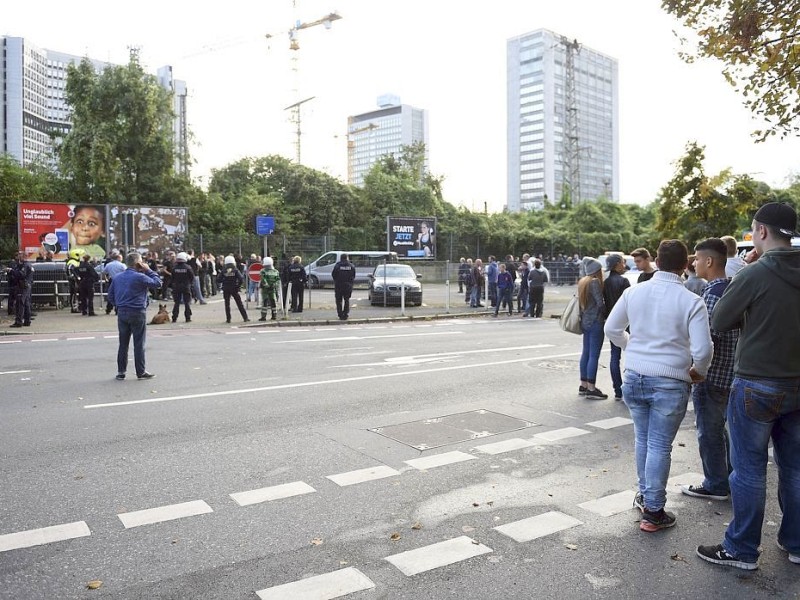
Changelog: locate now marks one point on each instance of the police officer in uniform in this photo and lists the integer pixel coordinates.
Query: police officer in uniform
(232, 280)
(270, 282)
(298, 279)
(344, 273)
(87, 277)
(182, 281)
(20, 279)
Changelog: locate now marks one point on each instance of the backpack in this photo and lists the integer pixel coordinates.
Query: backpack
(571, 317)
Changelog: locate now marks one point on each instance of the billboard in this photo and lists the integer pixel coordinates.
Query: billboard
(147, 228)
(53, 229)
(411, 237)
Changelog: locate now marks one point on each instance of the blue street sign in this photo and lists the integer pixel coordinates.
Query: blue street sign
(265, 224)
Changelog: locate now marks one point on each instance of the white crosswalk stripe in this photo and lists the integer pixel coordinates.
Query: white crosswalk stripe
(275, 492)
(439, 460)
(362, 475)
(539, 526)
(164, 513)
(45, 535)
(320, 587)
(437, 555)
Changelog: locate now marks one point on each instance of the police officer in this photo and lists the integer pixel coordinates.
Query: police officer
(73, 262)
(113, 267)
(232, 280)
(20, 279)
(298, 279)
(87, 277)
(270, 282)
(182, 281)
(344, 273)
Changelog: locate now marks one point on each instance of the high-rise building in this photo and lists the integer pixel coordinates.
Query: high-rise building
(380, 132)
(34, 81)
(180, 130)
(563, 122)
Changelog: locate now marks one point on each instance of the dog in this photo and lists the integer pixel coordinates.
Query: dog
(162, 316)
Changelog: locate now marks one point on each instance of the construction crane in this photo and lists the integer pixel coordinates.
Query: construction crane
(294, 44)
(571, 149)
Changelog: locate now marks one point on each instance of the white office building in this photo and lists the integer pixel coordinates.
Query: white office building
(380, 132)
(563, 122)
(34, 81)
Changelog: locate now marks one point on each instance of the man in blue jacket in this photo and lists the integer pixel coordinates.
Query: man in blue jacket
(128, 292)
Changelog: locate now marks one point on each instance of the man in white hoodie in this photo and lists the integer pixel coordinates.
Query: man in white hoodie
(668, 348)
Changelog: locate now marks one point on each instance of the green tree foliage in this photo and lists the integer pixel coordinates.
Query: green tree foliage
(693, 206)
(120, 148)
(758, 42)
(18, 184)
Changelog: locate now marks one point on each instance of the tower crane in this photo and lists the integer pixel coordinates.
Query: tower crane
(294, 44)
(571, 150)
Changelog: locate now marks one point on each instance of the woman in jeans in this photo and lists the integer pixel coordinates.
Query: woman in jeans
(590, 297)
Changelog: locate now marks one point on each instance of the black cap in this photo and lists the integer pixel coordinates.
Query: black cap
(779, 215)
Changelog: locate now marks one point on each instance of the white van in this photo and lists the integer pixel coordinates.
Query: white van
(320, 271)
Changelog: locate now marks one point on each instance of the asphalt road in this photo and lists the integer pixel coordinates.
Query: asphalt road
(278, 454)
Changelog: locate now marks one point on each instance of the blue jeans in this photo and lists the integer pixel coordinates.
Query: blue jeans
(616, 372)
(592, 344)
(710, 405)
(757, 410)
(504, 297)
(475, 296)
(657, 406)
(131, 323)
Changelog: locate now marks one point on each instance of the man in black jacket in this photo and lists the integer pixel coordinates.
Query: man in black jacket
(344, 273)
(87, 277)
(613, 287)
(182, 281)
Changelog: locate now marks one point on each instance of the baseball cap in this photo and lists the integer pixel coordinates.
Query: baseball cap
(779, 215)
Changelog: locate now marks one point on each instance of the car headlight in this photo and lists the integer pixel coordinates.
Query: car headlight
(377, 288)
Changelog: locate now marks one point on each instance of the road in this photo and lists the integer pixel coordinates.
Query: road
(417, 460)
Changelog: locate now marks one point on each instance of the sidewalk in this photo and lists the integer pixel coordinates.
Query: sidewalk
(320, 309)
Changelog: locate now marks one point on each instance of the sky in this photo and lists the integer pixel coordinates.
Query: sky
(445, 56)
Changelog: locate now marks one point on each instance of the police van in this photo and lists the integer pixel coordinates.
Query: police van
(320, 271)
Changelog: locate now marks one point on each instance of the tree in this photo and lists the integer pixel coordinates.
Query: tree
(758, 41)
(694, 206)
(120, 147)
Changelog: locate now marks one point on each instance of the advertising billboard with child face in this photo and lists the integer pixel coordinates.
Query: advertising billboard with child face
(48, 231)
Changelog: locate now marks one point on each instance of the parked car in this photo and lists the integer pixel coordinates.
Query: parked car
(320, 271)
(386, 282)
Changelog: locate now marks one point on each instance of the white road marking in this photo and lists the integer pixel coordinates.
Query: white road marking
(45, 535)
(73, 339)
(362, 475)
(368, 337)
(538, 526)
(11, 342)
(610, 505)
(238, 333)
(394, 360)
(610, 423)
(14, 372)
(505, 446)
(320, 587)
(110, 337)
(164, 513)
(325, 382)
(439, 460)
(560, 434)
(438, 555)
(275, 492)
(45, 340)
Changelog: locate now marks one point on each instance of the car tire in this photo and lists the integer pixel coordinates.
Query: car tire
(313, 283)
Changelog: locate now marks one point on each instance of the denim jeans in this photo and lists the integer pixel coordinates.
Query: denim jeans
(757, 410)
(592, 344)
(504, 298)
(475, 296)
(710, 405)
(616, 372)
(657, 406)
(131, 323)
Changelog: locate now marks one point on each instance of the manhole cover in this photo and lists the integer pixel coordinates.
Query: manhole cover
(451, 429)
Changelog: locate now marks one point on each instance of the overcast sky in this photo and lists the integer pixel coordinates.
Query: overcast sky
(446, 56)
